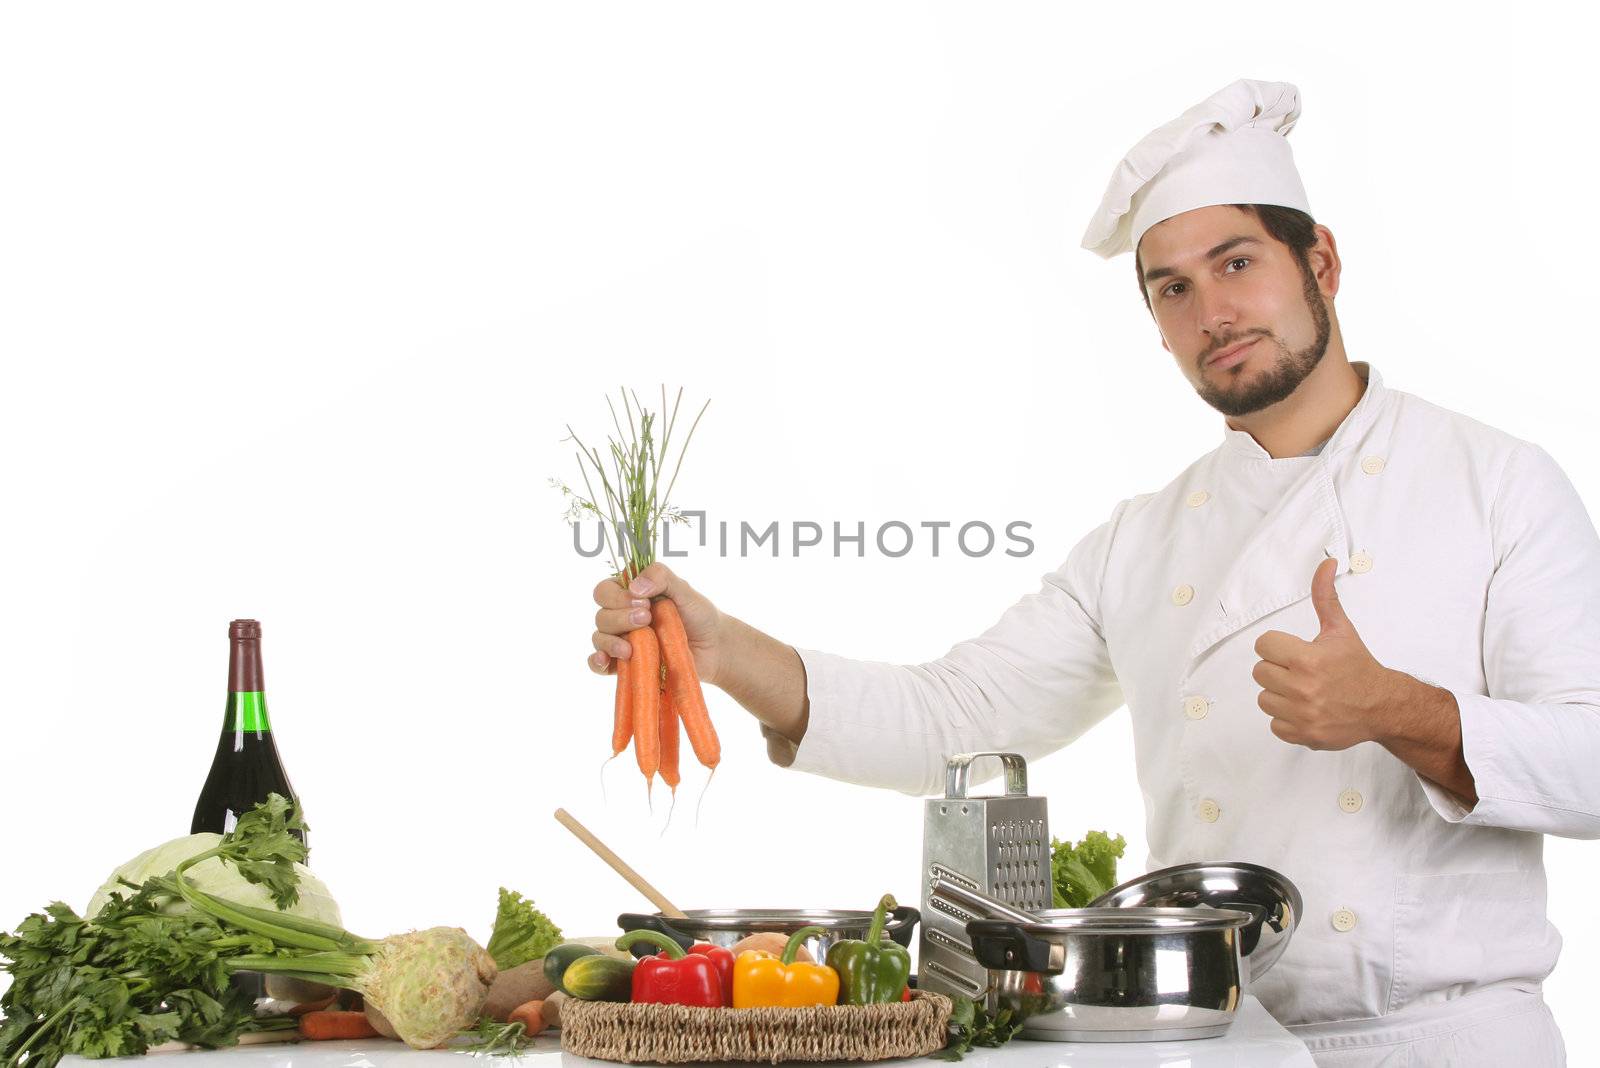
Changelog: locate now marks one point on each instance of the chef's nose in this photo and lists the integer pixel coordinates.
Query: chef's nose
(1216, 308)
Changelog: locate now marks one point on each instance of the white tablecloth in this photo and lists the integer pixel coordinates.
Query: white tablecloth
(1254, 1041)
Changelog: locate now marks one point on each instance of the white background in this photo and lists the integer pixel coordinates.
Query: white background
(296, 301)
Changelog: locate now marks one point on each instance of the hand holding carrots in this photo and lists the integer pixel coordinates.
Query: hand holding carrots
(659, 668)
(655, 645)
(623, 611)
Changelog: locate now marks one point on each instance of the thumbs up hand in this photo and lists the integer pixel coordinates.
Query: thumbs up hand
(1329, 692)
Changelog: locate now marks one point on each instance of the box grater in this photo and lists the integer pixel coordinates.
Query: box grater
(999, 845)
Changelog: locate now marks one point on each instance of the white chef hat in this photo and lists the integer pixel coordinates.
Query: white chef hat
(1231, 148)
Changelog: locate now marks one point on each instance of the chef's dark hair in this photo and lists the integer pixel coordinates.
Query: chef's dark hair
(1287, 226)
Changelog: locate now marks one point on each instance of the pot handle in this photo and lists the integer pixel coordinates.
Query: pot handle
(638, 921)
(909, 918)
(1250, 933)
(1258, 914)
(1007, 947)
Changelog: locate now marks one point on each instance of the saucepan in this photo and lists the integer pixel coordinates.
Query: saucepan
(1108, 974)
(1227, 885)
(1116, 974)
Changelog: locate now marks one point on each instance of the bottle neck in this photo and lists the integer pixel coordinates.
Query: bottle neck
(247, 699)
(244, 665)
(247, 712)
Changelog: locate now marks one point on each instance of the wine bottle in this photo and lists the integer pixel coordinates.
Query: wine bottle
(246, 768)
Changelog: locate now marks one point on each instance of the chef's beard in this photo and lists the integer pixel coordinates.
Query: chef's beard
(1287, 372)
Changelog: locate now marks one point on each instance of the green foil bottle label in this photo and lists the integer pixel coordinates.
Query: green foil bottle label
(248, 712)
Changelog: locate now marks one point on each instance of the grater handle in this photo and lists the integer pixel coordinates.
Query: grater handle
(958, 769)
(976, 901)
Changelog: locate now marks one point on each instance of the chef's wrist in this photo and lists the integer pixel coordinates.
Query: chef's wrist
(722, 651)
(1423, 731)
(765, 676)
(1415, 713)
(732, 639)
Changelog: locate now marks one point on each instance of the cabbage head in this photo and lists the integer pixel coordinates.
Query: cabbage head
(214, 877)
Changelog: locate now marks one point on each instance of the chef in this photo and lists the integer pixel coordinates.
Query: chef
(1359, 639)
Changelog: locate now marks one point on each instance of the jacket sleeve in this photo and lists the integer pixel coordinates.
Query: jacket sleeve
(1031, 683)
(1532, 742)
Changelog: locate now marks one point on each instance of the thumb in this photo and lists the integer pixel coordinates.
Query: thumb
(1330, 613)
(657, 580)
(700, 617)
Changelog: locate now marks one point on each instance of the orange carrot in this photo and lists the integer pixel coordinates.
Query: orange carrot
(669, 734)
(331, 1024)
(530, 1014)
(687, 698)
(645, 680)
(622, 720)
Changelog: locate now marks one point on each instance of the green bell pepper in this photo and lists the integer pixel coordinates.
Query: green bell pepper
(874, 971)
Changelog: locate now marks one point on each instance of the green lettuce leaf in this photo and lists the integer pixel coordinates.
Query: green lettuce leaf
(1080, 873)
(521, 932)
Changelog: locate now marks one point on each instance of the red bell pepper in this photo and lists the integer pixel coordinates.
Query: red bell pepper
(722, 957)
(673, 977)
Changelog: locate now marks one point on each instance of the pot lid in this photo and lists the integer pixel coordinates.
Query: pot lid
(1221, 885)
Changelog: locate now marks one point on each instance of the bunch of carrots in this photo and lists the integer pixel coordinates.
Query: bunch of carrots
(658, 687)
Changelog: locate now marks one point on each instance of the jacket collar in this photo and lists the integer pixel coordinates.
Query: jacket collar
(1273, 568)
(1239, 443)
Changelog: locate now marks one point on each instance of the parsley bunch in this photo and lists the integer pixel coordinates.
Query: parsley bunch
(133, 977)
(972, 1025)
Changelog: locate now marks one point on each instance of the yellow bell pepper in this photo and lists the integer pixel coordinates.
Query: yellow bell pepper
(761, 980)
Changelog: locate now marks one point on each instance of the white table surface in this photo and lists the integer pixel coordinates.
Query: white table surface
(1255, 1040)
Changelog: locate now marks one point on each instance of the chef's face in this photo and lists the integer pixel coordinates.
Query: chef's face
(1217, 280)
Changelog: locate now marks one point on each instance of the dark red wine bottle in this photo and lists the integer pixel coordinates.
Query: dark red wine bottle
(246, 768)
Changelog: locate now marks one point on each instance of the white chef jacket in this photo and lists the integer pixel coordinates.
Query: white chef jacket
(1465, 558)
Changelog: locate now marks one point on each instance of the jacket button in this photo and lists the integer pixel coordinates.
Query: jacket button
(1344, 920)
(1350, 801)
(1372, 465)
(1198, 497)
(1209, 811)
(1360, 563)
(1195, 707)
(1183, 595)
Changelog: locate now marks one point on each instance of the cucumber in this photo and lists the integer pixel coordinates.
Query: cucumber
(597, 977)
(560, 958)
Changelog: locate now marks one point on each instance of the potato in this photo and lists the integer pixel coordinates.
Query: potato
(552, 1008)
(769, 942)
(379, 1023)
(520, 985)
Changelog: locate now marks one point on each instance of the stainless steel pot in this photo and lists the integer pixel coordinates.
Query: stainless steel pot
(724, 927)
(1116, 974)
(1223, 885)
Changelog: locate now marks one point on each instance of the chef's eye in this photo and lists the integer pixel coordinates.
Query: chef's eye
(1168, 291)
(1238, 259)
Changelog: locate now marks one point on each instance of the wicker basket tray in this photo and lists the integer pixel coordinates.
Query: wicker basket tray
(679, 1034)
